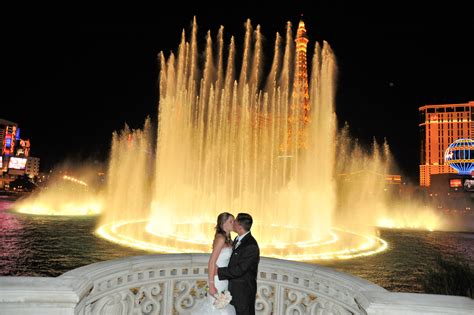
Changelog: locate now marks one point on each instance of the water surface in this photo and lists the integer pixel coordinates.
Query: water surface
(49, 246)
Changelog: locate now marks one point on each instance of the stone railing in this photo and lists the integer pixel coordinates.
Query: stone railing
(171, 284)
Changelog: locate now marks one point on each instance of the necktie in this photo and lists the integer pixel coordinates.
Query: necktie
(238, 243)
(235, 242)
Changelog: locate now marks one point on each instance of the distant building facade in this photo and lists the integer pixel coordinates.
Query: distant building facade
(441, 125)
(9, 133)
(452, 192)
(15, 159)
(32, 167)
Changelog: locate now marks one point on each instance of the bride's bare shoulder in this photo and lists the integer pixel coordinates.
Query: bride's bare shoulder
(219, 239)
(219, 236)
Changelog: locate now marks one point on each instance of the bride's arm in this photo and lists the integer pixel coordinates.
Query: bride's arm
(217, 246)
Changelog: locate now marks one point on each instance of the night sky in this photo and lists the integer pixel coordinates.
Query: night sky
(70, 84)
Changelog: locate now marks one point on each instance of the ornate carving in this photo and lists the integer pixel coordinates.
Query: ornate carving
(265, 299)
(185, 295)
(303, 303)
(294, 302)
(118, 303)
(149, 299)
(167, 289)
(324, 307)
(143, 300)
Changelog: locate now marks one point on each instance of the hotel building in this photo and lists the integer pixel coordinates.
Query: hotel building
(15, 159)
(8, 135)
(32, 166)
(441, 125)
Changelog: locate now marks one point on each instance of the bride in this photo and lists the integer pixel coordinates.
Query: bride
(220, 256)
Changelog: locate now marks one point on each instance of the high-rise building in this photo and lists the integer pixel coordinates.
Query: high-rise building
(9, 132)
(15, 159)
(32, 166)
(441, 125)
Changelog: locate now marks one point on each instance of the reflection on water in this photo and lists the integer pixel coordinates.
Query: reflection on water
(50, 246)
(408, 256)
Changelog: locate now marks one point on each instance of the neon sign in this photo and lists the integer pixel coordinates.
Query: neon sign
(17, 163)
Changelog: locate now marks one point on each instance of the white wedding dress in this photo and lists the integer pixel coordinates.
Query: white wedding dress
(205, 306)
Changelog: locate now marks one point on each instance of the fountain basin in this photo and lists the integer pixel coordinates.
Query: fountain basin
(339, 244)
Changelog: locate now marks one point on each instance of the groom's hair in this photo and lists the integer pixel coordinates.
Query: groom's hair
(245, 220)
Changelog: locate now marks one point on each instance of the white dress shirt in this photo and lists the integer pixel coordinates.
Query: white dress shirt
(239, 238)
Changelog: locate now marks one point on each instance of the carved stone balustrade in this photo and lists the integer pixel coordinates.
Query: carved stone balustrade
(171, 284)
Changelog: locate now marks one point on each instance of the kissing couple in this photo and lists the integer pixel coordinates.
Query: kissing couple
(233, 266)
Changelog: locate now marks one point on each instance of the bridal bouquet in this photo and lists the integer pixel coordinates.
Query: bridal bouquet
(222, 299)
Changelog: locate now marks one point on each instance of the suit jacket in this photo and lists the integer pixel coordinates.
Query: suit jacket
(242, 275)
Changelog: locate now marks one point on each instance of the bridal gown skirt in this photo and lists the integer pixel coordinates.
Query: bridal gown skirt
(206, 307)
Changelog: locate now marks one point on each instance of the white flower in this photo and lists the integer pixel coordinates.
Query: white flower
(222, 299)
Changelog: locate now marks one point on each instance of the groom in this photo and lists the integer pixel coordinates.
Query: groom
(243, 267)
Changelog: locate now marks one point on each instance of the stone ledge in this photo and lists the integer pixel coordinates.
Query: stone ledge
(388, 303)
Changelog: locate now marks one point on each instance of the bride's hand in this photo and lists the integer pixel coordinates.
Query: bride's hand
(212, 290)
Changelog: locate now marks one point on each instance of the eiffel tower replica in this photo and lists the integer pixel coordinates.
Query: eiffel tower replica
(298, 119)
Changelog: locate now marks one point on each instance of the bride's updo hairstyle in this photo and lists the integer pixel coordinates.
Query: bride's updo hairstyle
(221, 219)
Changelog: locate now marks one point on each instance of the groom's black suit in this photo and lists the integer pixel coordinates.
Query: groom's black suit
(242, 275)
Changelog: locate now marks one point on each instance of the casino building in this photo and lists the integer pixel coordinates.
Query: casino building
(441, 125)
(15, 158)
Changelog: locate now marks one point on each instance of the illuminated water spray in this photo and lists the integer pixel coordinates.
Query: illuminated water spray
(64, 196)
(231, 139)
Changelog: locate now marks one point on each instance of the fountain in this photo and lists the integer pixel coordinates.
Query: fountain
(245, 145)
(231, 139)
(65, 194)
(267, 147)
